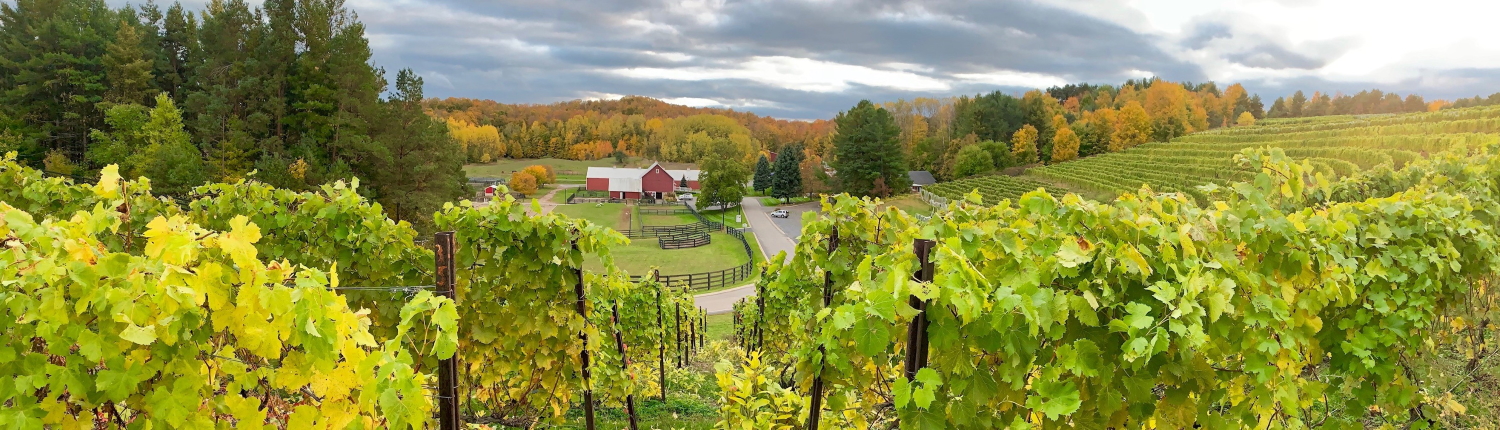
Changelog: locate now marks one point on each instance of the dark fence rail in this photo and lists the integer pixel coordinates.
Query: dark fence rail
(685, 240)
(656, 211)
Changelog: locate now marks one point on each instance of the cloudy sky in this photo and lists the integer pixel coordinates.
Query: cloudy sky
(812, 58)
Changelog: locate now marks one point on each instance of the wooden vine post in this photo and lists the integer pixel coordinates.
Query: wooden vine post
(661, 346)
(624, 364)
(760, 310)
(677, 324)
(448, 418)
(815, 413)
(916, 333)
(583, 312)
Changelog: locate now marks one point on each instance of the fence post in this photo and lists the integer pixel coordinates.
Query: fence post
(703, 330)
(661, 346)
(624, 364)
(448, 418)
(815, 413)
(583, 312)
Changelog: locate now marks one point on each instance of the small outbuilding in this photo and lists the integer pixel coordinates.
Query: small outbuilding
(919, 179)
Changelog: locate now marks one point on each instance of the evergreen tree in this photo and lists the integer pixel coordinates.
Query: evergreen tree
(52, 74)
(420, 167)
(1294, 107)
(867, 147)
(763, 174)
(126, 68)
(786, 175)
(1278, 109)
(176, 48)
(223, 121)
(1257, 108)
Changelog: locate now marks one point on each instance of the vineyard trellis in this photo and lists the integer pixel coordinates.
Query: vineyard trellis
(272, 234)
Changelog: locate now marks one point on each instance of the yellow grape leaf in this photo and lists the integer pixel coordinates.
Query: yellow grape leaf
(109, 182)
(140, 335)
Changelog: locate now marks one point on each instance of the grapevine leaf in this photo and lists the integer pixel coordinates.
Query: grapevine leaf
(140, 335)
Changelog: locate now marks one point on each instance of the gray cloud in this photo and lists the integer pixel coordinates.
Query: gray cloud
(525, 51)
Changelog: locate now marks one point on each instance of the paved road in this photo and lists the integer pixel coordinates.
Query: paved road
(773, 237)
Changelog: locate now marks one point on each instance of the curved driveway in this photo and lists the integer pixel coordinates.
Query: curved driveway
(773, 239)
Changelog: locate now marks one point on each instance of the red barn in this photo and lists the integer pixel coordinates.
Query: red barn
(653, 182)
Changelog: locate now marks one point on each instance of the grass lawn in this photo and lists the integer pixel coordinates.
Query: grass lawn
(568, 171)
(606, 214)
(642, 254)
(727, 217)
(667, 219)
(772, 201)
(721, 326)
(911, 203)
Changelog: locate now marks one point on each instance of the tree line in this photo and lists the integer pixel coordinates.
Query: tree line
(1299, 105)
(630, 126)
(283, 93)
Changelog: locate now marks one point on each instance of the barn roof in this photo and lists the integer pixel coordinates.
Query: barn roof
(921, 177)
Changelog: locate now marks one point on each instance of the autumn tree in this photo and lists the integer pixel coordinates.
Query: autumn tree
(1064, 141)
(866, 148)
(537, 171)
(815, 179)
(522, 182)
(1246, 119)
(1023, 145)
(1132, 128)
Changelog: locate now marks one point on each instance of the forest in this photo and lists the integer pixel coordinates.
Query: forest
(283, 93)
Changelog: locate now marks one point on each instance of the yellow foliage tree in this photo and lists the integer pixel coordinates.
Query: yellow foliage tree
(1023, 144)
(523, 182)
(1245, 119)
(1064, 140)
(1132, 127)
(539, 173)
(481, 143)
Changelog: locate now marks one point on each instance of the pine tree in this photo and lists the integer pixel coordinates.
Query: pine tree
(762, 181)
(1257, 108)
(58, 93)
(223, 124)
(786, 176)
(1294, 107)
(1278, 109)
(126, 67)
(420, 166)
(867, 146)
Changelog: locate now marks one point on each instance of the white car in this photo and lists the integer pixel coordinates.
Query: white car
(780, 213)
(685, 197)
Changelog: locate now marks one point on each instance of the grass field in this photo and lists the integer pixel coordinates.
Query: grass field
(721, 326)
(910, 203)
(605, 214)
(568, 171)
(642, 254)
